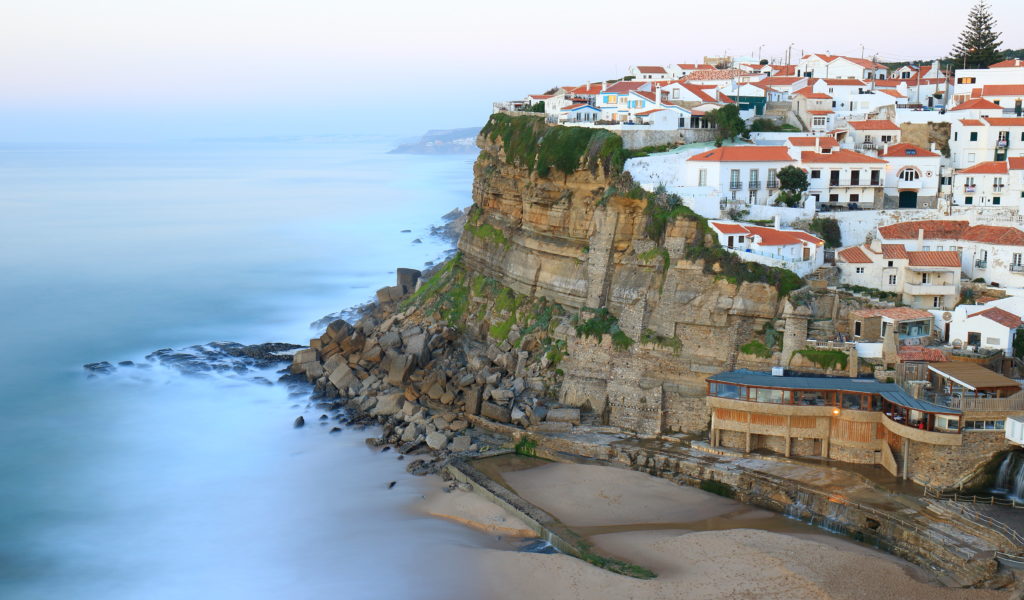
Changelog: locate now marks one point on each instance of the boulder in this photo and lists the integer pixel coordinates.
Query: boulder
(391, 339)
(460, 443)
(501, 395)
(564, 415)
(458, 425)
(407, 279)
(304, 356)
(471, 397)
(373, 354)
(398, 369)
(411, 432)
(313, 371)
(435, 391)
(388, 404)
(342, 377)
(339, 328)
(416, 345)
(494, 412)
(298, 422)
(437, 440)
(553, 427)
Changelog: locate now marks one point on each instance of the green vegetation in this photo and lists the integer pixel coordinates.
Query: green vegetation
(978, 45)
(725, 264)
(556, 352)
(825, 359)
(648, 336)
(718, 487)
(1018, 343)
(663, 208)
(532, 144)
(756, 348)
(500, 330)
(526, 446)
(656, 252)
(537, 107)
(866, 291)
(612, 564)
(729, 123)
(770, 125)
(792, 183)
(649, 150)
(601, 323)
(828, 229)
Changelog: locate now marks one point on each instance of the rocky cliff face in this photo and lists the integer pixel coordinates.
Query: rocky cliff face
(581, 239)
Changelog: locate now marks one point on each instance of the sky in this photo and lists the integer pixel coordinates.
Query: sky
(141, 70)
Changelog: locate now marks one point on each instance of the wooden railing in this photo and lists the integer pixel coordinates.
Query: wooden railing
(1008, 403)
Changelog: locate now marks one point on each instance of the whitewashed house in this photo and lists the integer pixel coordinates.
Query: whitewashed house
(814, 109)
(613, 98)
(786, 84)
(742, 174)
(911, 176)
(578, 113)
(791, 249)
(923, 279)
(992, 253)
(648, 73)
(844, 179)
(681, 70)
(966, 81)
(983, 326)
(986, 138)
(992, 183)
(840, 67)
(871, 136)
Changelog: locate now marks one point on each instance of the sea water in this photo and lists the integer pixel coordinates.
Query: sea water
(153, 483)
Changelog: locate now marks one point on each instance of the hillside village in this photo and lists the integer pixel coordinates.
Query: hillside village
(901, 186)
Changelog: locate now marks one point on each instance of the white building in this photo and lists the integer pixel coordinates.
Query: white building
(985, 138)
(648, 73)
(993, 183)
(872, 135)
(844, 179)
(840, 67)
(992, 253)
(911, 176)
(681, 70)
(791, 249)
(923, 279)
(579, 113)
(983, 326)
(613, 99)
(966, 81)
(743, 174)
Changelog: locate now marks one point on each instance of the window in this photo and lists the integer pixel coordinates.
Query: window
(891, 263)
(971, 158)
(936, 301)
(773, 179)
(909, 174)
(876, 177)
(886, 139)
(992, 424)
(956, 135)
(860, 270)
(819, 122)
(702, 177)
(996, 200)
(892, 280)
(1016, 259)
(815, 174)
(854, 197)
(969, 200)
(833, 177)
(833, 197)
(734, 179)
(974, 136)
(924, 276)
(855, 177)
(856, 328)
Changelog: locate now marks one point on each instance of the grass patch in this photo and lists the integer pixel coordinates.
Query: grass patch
(500, 330)
(526, 446)
(656, 252)
(535, 146)
(725, 264)
(874, 293)
(648, 336)
(601, 323)
(825, 359)
(756, 348)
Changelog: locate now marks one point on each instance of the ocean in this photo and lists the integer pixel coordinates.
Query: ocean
(158, 483)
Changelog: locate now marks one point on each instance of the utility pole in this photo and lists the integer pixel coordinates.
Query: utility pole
(862, 51)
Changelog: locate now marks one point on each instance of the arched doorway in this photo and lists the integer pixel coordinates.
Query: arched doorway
(908, 199)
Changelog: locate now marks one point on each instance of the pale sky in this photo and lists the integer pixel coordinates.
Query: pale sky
(80, 70)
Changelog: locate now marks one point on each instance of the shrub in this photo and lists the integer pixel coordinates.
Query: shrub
(825, 359)
(756, 348)
(601, 323)
(828, 229)
(648, 336)
(535, 146)
(526, 446)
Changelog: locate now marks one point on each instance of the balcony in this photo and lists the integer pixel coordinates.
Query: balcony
(1002, 143)
(998, 187)
(773, 184)
(735, 185)
(981, 264)
(754, 185)
(1017, 268)
(969, 189)
(929, 289)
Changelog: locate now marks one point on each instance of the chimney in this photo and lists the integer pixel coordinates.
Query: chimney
(935, 69)
(604, 86)
(920, 238)
(885, 149)
(817, 145)
(657, 96)
(776, 223)
(932, 147)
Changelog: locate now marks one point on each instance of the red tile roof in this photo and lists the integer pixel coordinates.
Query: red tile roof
(1004, 318)
(838, 156)
(779, 80)
(953, 230)
(824, 142)
(857, 82)
(577, 106)
(875, 125)
(649, 112)
(770, 236)
(971, 123)
(808, 92)
(900, 313)
(921, 354)
(1006, 121)
(862, 62)
(1016, 163)
(934, 258)
(622, 87)
(784, 70)
(820, 112)
(694, 66)
(891, 251)
(651, 69)
(1003, 90)
(893, 93)
(977, 104)
(986, 168)
(854, 254)
(586, 90)
(902, 149)
(744, 154)
(729, 227)
(1013, 62)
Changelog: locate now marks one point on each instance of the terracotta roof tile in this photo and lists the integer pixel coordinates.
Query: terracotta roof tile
(694, 66)
(875, 125)
(921, 354)
(1004, 318)
(820, 112)
(713, 74)
(824, 142)
(839, 156)
(971, 123)
(898, 150)
(728, 227)
(977, 104)
(854, 254)
(933, 230)
(782, 237)
(900, 313)
(808, 92)
(986, 168)
(1003, 90)
(856, 82)
(651, 69)
(1016, 163)
(995, 234)
(780, 80)
(1013, 62)
(934, 258)
(892, 251)
(745, 154)
(1006, 121)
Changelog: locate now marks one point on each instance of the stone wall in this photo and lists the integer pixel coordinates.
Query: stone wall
(950, 466)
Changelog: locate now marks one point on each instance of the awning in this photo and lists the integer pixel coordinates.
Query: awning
(904, 399)
(972, 375)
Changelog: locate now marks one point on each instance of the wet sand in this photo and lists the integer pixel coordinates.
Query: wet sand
(701, 546)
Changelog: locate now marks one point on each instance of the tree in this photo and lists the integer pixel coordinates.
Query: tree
(792, 184)
(978, 46)
(729, 123)
(763, 62)
(828, 229)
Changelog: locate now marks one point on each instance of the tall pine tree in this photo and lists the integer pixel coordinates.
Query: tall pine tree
(978, 46)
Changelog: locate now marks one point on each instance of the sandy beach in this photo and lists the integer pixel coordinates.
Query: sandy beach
(700, 545)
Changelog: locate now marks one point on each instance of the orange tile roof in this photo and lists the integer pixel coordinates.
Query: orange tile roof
(1003, 90)
(977, 104)
(576, 106)
(953, 230)
(844, 82)
(921, 354)
(1006, 121)
(862, 62)
(586, 90)
(784, 70)
(971, 123)
(1013, 62)
(839, 156)
(745, 154)
(890, 251)
(808, 92)
(986, 168)
(779, 80)
(902, 149)
(728, 227)
(1016, 163)
(875, 125)
(893, 93)
(694, 66)
(824, 142)
(781, 237)
(820, 112)
(622, 87)
(854, 254)
(900, 313)
(651, 69)
(934, 258)
(1004, 318)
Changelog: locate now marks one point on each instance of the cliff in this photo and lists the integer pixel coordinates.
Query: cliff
(556, 218)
